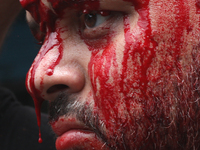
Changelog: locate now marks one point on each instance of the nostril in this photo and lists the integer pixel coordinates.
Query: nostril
(56, 88)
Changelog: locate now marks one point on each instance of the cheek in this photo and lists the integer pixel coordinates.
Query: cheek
(123, 89)
(120, 84)
(105, 78)
(126, 92)
(175, 27)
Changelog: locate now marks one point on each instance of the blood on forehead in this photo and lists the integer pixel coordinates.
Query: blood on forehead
(47, 15)
(59, 5)
(37, 7)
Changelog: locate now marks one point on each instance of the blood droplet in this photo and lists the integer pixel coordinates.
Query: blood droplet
(40, 138)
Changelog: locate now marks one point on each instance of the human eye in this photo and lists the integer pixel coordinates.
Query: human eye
(94, 19)
(96, 24)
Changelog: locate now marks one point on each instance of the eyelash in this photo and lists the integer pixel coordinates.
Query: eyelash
(102, 29)
(86, 32)
(97, 14)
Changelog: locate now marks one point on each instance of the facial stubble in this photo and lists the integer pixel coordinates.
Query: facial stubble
(171, 123)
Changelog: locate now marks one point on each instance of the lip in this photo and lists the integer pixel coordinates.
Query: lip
(73, 134)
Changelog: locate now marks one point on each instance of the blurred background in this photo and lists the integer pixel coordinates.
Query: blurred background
(16, 56)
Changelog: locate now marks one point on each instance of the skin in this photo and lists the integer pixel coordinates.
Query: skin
(133, 80)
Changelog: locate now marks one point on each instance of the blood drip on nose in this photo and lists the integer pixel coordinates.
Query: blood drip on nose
(30, 82)
(46, 18)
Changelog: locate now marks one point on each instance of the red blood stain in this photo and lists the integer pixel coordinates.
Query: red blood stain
(102, 62)
(109, 96)
(34, 92)
(198, 6)
(104, 13)
(60, 5)
(46, 18)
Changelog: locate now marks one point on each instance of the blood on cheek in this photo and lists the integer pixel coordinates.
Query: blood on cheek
(111, 95)
(103, 65)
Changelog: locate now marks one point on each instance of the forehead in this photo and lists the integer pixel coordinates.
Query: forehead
(41, 9)
(113, 5)
(92, 4)
(160, 11)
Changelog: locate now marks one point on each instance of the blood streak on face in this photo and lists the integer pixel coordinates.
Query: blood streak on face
(112, 95)
(46, 18)
(130, 89)
(127, 96)
(198, 6)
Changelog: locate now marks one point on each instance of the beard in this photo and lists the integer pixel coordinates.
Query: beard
(168, 117)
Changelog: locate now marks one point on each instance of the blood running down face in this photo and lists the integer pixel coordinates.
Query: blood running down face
(119, 74)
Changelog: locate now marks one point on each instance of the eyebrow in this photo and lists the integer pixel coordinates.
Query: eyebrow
(72, 1)
(59, 5)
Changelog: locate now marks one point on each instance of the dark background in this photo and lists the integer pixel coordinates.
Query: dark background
(16, 56)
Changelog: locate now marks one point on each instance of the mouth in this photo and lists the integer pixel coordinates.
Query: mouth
(74, 135)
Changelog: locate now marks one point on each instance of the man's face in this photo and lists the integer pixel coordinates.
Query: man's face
(119, 74)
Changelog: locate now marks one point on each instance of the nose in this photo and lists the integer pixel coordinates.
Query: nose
(54, 71)
(68, 78)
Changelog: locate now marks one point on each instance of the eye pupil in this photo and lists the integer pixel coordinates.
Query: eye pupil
(90, 20)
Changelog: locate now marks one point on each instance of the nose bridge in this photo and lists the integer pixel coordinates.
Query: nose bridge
(51, 73)
(48, 57)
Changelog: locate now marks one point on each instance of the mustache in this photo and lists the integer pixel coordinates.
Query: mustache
(69, 105)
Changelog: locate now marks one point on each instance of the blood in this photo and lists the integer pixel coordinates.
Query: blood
(102, 63)
(30, 80)
(86, 11)
(104, 12)
(40, 138)
(198, 6)
(46, 18)
(109, 96)
(59, 5)
(49, 72)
